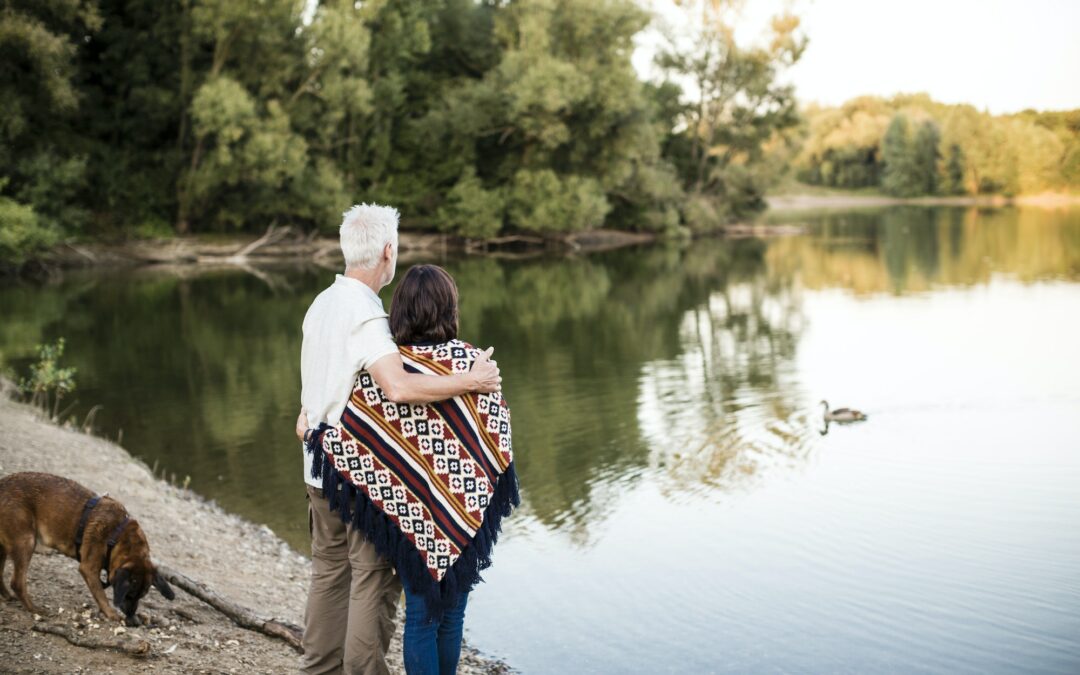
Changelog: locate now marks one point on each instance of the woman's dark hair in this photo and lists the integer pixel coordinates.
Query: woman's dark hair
(424, 308)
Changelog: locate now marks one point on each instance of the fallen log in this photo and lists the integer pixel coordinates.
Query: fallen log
(132, 646)
(240, 615)
(273, 235)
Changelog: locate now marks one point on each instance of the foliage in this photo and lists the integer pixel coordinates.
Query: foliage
(925, 156)
(735, 106)
(471, 210)
(1028, 152)
(40, 167)
(48, 383)
(21, 233)
(898, 177)
(954, 171)
(473, 118)
(545, 201)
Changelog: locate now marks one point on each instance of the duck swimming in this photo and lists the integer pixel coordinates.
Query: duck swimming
(842, 414)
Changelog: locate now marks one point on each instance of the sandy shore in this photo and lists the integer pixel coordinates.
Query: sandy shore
(243, 561)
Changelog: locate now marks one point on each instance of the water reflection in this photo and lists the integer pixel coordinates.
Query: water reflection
(662, 362)
(725, 407)
(911, 249)
(669, 395)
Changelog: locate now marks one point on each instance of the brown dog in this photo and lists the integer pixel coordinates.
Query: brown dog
(96, 531)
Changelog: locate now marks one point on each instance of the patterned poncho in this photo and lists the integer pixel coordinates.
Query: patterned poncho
(427, 484)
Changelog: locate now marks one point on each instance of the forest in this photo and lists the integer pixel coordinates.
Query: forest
(913, 146)
(144, 119)
(139, 118)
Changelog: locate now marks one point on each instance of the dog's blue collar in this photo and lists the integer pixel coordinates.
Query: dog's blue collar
(114, 536)
(90, 504)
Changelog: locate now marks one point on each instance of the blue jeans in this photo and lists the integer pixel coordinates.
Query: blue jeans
(432, 648)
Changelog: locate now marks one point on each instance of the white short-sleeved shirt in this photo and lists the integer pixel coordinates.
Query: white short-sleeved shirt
(345, 331)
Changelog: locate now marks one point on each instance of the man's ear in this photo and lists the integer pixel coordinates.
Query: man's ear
(121, 583)
(388, 251)
(163, 586)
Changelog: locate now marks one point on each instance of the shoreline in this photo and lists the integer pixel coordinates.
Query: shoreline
(243, 561)
(839, 200)
(248, 251)
(207, 252)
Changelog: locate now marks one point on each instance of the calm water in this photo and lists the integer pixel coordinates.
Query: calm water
(683, 511)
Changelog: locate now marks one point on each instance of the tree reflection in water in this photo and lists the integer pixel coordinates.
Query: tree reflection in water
(661, 364)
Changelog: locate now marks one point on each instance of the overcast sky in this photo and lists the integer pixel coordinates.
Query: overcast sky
(1001, 55)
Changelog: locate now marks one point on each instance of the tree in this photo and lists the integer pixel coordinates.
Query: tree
(954, 171)
(900, 177)
(558, 132)
(734, 106)
(925, 156)
(1010, 154)
(41, 166)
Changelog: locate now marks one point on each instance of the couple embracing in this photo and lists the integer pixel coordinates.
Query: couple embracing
(408, 460)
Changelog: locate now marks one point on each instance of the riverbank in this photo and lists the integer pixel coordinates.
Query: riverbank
(250, 251)
(240, 560)
(841, 200)
(283, 246)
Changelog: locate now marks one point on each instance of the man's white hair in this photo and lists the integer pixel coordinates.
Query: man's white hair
(365, 230)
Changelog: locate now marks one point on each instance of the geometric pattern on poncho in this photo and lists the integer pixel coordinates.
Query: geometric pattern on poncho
(432, 469)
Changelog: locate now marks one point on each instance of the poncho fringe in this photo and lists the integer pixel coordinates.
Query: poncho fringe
(357, 510)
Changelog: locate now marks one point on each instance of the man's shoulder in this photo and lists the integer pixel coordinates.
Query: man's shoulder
(319, 304)
(346, 304)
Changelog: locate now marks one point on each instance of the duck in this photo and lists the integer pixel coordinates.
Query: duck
(842, 414)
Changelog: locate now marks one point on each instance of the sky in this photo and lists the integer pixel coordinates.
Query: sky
(998, 55)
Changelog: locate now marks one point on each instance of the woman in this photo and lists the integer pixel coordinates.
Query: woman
(428, 485)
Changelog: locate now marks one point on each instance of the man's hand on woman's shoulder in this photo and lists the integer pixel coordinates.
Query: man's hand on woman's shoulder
(485, 373)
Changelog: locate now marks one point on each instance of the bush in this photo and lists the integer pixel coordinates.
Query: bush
(22, 234)
(704, 215)
(543, 201)
(471, 210)
(48, 382)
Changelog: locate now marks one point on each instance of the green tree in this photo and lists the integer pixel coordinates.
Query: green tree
(1011, 154)
(21, 233)
(272, 89)
(900, 176)
(41, 166)
(842, 147)
(954, 171)
(925, 156)
(734, 105)
(559, 129)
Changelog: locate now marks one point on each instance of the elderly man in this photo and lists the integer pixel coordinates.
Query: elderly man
(352, 602)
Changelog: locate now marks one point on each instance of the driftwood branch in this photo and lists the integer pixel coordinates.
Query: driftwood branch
(273, 235)
(485, 244)
(241, 616)
(131, 646)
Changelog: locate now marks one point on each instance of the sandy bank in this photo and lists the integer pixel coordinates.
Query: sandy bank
(241, 560)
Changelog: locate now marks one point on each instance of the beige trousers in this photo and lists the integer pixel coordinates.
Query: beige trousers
(352, 603)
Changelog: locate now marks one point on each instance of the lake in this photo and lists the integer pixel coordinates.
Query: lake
(685, 509)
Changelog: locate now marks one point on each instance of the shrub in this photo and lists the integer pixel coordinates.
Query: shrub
(471, 210)
(22, 234)
(48, 383)
(543, 201)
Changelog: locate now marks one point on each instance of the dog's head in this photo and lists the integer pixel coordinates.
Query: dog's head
(135, 575)
(130, 583)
